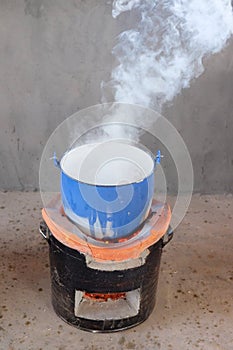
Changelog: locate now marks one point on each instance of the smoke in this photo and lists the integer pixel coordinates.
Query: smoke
(165, 50)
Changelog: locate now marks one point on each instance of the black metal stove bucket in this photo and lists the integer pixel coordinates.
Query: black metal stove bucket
(76, 287)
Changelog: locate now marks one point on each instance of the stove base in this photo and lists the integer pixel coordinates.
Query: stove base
(102, 300)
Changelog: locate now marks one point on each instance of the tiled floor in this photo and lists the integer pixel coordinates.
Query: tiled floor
(195, 293)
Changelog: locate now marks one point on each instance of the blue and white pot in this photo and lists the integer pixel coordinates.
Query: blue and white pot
(107, 188)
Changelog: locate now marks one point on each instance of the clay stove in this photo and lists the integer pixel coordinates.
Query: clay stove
(104, 286)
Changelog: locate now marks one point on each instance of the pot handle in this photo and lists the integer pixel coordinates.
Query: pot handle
(158, 157)
(56, 162)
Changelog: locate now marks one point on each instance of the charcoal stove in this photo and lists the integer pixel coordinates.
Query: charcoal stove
(104, 286)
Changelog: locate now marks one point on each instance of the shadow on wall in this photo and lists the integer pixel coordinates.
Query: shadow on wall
(34, 8)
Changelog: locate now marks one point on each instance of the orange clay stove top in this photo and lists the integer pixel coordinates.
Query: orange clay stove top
(154, 228)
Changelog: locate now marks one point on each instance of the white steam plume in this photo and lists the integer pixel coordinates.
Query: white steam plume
(165, 50)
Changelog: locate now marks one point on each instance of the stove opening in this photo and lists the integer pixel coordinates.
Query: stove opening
(107, 306)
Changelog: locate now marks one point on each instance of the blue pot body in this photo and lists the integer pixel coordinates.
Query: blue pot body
(107, 212)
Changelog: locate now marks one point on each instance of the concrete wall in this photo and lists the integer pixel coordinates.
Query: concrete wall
(53, 56)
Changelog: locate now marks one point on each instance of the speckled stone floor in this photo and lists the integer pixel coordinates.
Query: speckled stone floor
(194, 307)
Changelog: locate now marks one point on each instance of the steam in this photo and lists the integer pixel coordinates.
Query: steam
(165, 50)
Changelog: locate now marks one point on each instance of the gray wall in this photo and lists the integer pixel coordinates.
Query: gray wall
(55, 53)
